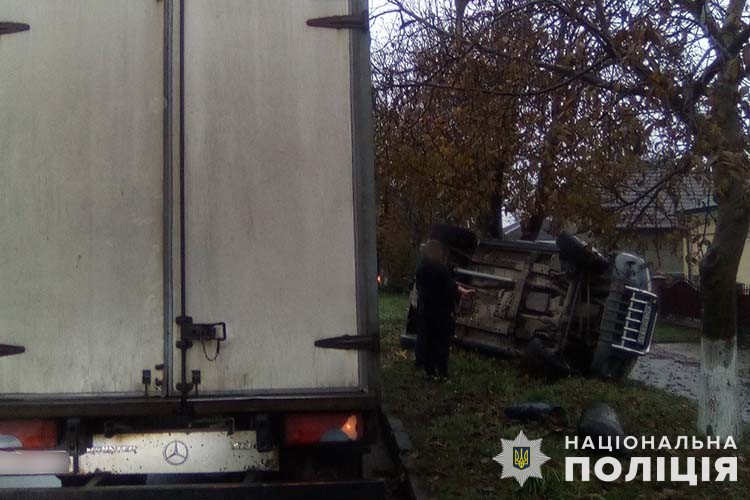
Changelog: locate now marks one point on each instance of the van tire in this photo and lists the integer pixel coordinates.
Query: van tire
(455, 237)
(585, 257)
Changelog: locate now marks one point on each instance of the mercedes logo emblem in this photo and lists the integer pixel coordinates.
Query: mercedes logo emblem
(176, 453)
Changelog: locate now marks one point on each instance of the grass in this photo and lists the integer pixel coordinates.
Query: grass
(456, 426)
(670, 332)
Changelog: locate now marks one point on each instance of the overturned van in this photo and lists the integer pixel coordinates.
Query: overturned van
(562, 305)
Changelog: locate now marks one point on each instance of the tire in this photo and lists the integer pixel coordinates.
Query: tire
(583, 256)
(454, 237)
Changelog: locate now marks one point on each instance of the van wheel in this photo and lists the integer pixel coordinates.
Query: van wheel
(454, 237)
(584, 256)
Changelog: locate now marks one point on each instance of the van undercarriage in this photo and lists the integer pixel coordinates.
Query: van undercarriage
(562, 306)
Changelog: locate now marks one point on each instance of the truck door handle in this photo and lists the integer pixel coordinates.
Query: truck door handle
(11, 350)
(6, 28)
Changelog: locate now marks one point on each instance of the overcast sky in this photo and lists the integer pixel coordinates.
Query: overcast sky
(377, 28)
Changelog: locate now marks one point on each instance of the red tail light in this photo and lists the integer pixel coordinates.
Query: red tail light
(313, 428)
(31, 434)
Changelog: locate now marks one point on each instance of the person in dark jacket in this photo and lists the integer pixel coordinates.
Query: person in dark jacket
(438, 296)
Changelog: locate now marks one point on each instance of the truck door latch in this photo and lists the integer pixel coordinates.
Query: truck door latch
(201, 331)
(11, 350)
(7, 28)
(197, 332)
(350, 22)
(351, 342)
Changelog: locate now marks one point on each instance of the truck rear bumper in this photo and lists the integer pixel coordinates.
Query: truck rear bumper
(324, 400)
(362, 490)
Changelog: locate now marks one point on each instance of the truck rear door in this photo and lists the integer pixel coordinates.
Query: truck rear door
(271, 175)
(278, 200)
(81, 105)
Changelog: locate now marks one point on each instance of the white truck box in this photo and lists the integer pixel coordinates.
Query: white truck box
(90, 278)
(166, 159)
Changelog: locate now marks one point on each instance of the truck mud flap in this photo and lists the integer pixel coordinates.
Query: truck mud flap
(361, 490)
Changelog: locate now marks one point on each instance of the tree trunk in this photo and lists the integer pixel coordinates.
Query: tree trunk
(719, 405)
(531, 228)
(491, 222)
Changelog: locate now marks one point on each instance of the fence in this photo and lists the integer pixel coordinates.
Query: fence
(680, 301)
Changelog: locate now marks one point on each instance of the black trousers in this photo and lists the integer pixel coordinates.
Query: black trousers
(414, 327)
(436, 342)
(420, 350)
(437, 352)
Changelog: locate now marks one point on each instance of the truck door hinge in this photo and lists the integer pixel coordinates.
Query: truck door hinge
(349, 22)
(7, 28)
(11, 350)
(351, 342)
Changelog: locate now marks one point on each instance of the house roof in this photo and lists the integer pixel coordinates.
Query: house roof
(656, 198)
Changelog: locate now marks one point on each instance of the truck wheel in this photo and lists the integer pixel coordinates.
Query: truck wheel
(543, 360)
(454, 237)
(584, 256)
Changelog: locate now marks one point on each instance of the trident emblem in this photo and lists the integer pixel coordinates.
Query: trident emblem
(521, 457)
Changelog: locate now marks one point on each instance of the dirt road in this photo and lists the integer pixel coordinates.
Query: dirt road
(674, 368)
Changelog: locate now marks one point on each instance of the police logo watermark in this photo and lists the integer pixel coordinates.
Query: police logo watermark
(521, 458)
(688, 469)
